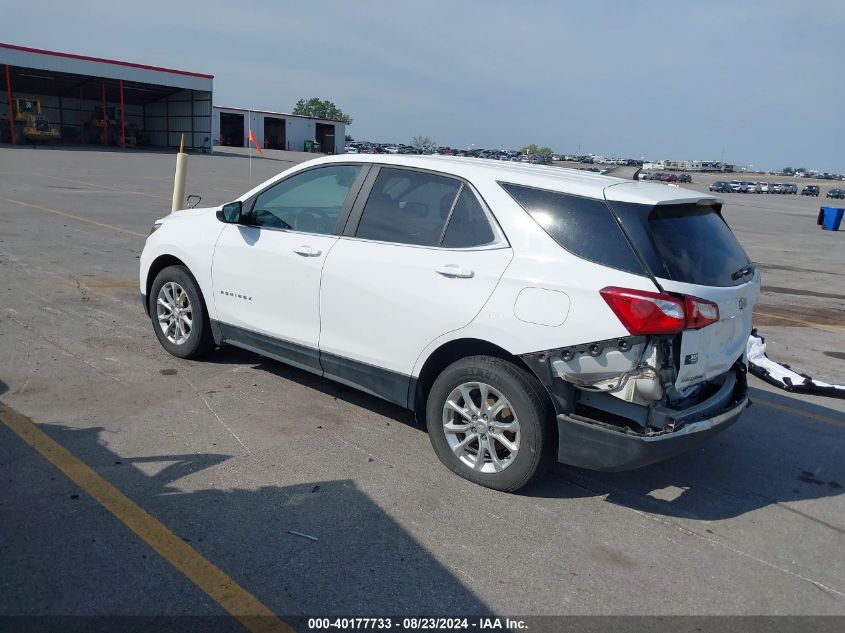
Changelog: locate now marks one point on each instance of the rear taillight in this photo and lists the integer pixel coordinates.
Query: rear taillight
(645, 313)
(700, 312)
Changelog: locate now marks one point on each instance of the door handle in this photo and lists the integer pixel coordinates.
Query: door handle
(454, 271)
(307, 251)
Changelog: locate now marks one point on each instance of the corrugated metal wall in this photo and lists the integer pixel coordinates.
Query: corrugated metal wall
(202, 119)
(185, 112)
(107, 69)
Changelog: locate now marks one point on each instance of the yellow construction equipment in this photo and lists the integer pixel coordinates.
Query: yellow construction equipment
(109, 119)
(100, 120)
(31, 124)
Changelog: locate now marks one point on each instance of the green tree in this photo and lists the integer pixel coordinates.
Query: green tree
(787, 171)
(534, 149)
(423, 143)
(348, 138)
(321, 109)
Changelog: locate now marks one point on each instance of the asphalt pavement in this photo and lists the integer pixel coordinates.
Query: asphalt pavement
(243, 459)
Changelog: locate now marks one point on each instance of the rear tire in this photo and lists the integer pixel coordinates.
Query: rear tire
(516, 440)
(178, 313)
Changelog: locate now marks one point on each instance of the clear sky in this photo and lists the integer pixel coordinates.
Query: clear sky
(763, 82)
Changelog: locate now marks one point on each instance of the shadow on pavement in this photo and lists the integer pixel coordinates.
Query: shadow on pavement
(769, 456)
(229, 355)
(359, 562)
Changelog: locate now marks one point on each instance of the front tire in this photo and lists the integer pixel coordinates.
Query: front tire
(178, 313)
(490, 422)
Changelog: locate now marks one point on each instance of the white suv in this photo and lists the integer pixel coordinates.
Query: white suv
(525, 313)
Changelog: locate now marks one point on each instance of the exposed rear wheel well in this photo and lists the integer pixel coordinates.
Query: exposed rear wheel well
(159, 264)
(447, 354)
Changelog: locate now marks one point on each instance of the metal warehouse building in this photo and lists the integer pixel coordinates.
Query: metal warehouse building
(276, 130)
(101, 101)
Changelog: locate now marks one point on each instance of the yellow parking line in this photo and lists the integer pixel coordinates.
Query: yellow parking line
(74, 217)
(211, 579)
(829, 419)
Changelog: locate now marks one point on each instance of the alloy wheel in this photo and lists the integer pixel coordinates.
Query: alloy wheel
(174, 311)
(481, 427)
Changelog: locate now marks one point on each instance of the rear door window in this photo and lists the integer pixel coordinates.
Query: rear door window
(406, 206)
(468, 224)
(583, 226)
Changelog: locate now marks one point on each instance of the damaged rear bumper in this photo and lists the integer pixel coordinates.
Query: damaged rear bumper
(589, 445)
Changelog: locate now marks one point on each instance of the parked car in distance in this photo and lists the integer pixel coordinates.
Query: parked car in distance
(752, 187)
(720, 186)
(790, 188)
(836, 193)
(776, 187)
(810, 190)
(763, 186)
(685, 178)
(445, 285)
(737, 186)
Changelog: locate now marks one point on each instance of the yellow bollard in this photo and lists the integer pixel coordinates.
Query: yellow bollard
(179, 178)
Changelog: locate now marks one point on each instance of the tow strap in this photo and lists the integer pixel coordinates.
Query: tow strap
(783, 376)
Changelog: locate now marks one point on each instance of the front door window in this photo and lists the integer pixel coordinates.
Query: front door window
(308, 202)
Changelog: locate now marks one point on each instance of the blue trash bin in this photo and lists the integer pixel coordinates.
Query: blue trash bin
(831, 218)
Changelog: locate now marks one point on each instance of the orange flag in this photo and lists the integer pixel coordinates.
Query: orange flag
(255, 142)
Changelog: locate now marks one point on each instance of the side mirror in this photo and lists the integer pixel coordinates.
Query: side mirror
(230, 213)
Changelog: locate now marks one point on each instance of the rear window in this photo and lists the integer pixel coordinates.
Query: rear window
(583, 226)
(690, 243)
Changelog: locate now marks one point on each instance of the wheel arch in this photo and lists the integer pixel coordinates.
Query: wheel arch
(160, 263)
(447, 354)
